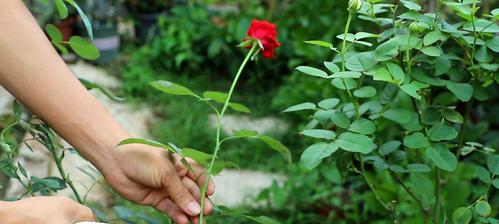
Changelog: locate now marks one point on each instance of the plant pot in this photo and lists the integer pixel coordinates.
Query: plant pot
(146, 25)
(67, 27)
(107, 40)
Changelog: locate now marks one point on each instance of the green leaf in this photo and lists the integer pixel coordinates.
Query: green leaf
(18, 110)
(462, 215)
(61, 8)
(262, 219)
(146, 142)
(382, 74)
(171, 88)
(61, 47)
(352, 142)
(495, 182)
(319, 133)
(398, 115)
(313, 155)
(54, 33)
(348, 74)
(463, 91)
(432, 51)
(239, 107)
(495, 13)
(338, 83)
(365, 92)
(218, 97)
(323, 115)
(418, 168)
(397, 73)
(278, 146)
(245, 133)
(91, 85)
(22, 170)
(431, 115)
(387, 50)
(84, 18)
(389, 147)
(412, 89)
(301, 106)
(198, 156)
(442, 157)
(332, 67)
(363, 35)
(340, 119)
(416, 140)
(411, 5)
(493, 164)
(312, 71)
(328, 104)
(84, 48)
(320, 43)
(442, 131)
(482, 208)
(363, 126)
(482, 174)
(432, 37)
(493, 44)
(452, 115)
(361, 62)
(423, 187)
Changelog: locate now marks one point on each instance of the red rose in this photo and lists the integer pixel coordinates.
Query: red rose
(265, 33)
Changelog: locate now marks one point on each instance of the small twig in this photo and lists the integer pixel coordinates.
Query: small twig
(438, 187)
(376, 196)
(424, 210)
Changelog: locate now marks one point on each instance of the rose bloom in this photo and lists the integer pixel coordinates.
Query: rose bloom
(266, 33)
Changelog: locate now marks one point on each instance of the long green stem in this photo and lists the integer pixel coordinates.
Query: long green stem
(408, 55)
(466, 118)
(475, 35)
(65, 176)
(219, 127)
(438, 187)
(342, 54)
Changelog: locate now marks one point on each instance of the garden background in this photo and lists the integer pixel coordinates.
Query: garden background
(192, 43)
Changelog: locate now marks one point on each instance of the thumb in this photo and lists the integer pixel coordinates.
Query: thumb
(181, 196)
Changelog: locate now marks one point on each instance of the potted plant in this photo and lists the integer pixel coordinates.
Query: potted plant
(103, 15)
(145, 15)
(46, 13)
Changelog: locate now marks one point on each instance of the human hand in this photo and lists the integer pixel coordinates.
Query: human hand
(44, 210)
(151, 176)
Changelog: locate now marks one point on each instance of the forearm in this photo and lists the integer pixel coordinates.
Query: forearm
(34, 73)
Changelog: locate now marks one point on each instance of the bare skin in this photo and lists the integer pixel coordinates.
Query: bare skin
(60, 209)
(33, 72)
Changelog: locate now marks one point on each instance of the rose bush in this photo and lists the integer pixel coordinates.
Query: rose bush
(411, 99)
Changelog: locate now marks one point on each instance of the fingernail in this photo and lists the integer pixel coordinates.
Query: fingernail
(193, 208)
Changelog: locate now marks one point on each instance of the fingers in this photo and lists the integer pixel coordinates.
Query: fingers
(167, 206)
(196, 191)
(84, 213)
(198, 174)
(179, 194)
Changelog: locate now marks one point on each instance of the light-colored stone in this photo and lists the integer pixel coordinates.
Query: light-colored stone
(237, 187)
(231, 123)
